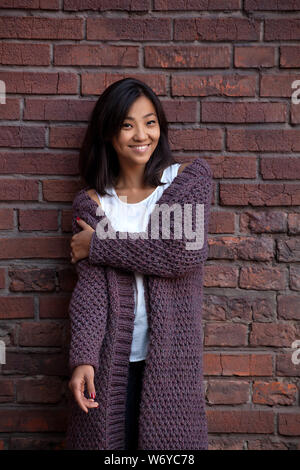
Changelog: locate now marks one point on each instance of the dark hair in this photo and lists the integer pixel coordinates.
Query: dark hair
(98, 161)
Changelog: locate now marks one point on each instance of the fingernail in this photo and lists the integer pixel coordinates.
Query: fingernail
(77, 218)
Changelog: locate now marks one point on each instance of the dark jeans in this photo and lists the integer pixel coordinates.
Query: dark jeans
(136, 370)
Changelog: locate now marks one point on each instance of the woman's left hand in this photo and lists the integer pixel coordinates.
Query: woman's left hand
(80, 242)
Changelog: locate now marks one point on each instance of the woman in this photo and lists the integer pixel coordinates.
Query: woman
(136, 308)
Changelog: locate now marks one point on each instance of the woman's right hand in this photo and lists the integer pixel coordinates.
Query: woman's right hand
(83, 375)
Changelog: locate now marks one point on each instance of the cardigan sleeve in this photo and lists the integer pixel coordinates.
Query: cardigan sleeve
(87, 309)
(164, 256)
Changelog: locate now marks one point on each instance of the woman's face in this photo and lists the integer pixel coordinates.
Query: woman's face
(139, 134)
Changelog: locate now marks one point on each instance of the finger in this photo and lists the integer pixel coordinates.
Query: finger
(78, 397)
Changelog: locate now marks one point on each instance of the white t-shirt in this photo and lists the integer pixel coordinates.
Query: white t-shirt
(125, 217)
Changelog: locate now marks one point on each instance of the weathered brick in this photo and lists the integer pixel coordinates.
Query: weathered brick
(246, 248)
(288, 250)
(15, 53)
(289, 424)
(32, 280)
(279, 5)
(32, 27)
(100, 5)
(280, 168)
(40, 82)
(213, 85)
(94, 83)
(274, 393)
(11, 109)
(295, 277)
(187, 56)
(272, 334)
(39, 390)
(240, 421)
(278, 84)
(32, 420)
(243, 112)
(217, 392)
(220, 276)
(54, 307)
(266, 140)
(262, 278)
(259, 194)
(254, 56)
(196, 5)
(294, 223)
(16, 307)
(22, 136)
(44, 163)
(284, 29)
(290, 56)
(95, 55)
(263, 222)
(196, 139)
(216, 29)
(132, 29)
(31, 4)
(224, 166)
(288, 307)
(225, 334)
(221, 222)
(58, 109)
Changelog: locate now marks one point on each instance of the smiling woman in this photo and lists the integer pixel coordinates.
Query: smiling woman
(136, 308)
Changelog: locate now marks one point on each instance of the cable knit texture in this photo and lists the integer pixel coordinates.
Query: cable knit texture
(172, 408)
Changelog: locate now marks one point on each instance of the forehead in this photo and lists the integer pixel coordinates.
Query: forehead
(141, 107)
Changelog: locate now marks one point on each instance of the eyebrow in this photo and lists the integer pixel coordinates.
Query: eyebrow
(129, 117)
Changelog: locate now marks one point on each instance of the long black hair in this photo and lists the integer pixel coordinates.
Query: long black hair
(98, 161)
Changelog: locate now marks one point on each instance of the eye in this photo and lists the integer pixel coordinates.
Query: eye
(127, 123)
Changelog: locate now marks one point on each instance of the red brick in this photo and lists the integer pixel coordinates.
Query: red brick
(272, 334)
(6, 219)
(280, 168)
(32, 27)
(33, 247)
(290, 56)
(294, 223)
(279, 5)
(95, 55)
(39, 163)
(217, 392)
(289, 424)
(38, 219)
(39, 390)
(18, 190)
(232, 166)
(225, 334)
(54, 307)
(262, 277)
(32, 4)
(32, 280)
(11, 109)
(216, 29)
(259, 194)
(220, 276)
(288, 307)
(58, 109)
(16, 307)
(78, 5)
(44, 333)
(94, 83)
(213, 85)
(195, 139)
(40, 82)
(12, 53)
(246, 248)
(130, 29)
(263, 222)
(288, 250)
(59, 190)
(295, 113)
(268, 140)
(285, 366)
(274, 393)
(254, 56)
(180, 111)
(196, 5)
(22, 136)
(278, 84)
(240, 365)
(286, 29)
(240, 421)
(6, 391)
(35, 363)
(243, 112)
(33, 420)
(295, 277)
(66, 136)
(221, 222)
(187, 56)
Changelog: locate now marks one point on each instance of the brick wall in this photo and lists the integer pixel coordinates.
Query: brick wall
(224, 71)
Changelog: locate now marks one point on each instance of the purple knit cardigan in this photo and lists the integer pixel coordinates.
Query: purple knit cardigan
(172, 409)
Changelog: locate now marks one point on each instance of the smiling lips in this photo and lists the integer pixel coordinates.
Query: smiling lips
(139, 148)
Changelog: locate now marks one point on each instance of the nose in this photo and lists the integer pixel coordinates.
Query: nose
(140, 134)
